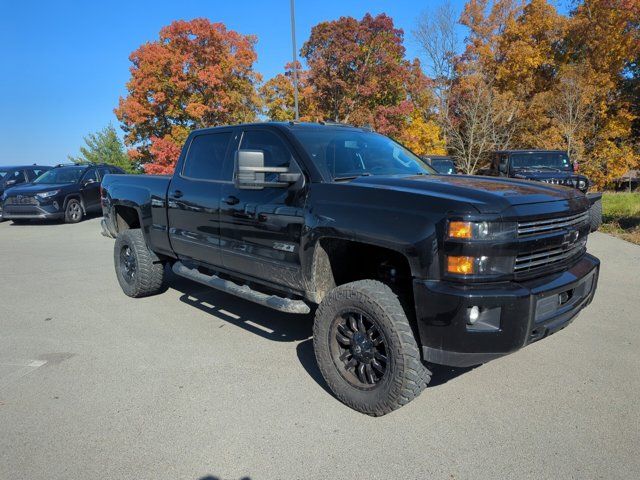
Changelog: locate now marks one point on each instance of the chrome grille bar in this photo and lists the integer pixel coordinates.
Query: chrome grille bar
(548, 257)
(551, 224)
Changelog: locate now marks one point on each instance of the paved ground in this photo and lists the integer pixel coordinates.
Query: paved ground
(195, 385)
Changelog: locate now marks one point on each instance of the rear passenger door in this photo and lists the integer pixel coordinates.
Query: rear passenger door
(193, 199)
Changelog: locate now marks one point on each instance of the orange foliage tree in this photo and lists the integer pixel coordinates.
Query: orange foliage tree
(358, 74)
(197, 74)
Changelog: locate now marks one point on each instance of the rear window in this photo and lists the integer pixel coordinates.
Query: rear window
(206, 155)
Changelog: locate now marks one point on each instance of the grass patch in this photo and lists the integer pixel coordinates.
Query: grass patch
(621, 215)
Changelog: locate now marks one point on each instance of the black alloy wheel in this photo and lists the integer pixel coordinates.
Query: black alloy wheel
(128, 264)
(358, 349)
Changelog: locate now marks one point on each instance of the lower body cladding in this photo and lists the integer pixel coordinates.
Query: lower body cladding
(29, 212)
(466, 325)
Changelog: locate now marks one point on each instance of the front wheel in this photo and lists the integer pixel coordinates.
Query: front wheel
(73, 211)
(140, 273)
(366, 350)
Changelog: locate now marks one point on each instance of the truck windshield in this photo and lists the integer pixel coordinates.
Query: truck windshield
(541, 160)
(343, 153)
(60, 175)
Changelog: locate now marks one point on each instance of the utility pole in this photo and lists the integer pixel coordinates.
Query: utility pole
(295, 60)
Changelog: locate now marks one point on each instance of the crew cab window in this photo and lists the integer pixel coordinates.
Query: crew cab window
(206, 156)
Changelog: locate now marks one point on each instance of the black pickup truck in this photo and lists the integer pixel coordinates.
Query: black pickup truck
(407, 268)
(548, 166)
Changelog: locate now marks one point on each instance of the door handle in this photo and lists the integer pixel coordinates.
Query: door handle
(232, 200)
(177, 194)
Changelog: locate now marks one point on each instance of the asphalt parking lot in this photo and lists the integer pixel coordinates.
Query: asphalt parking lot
(195, 384)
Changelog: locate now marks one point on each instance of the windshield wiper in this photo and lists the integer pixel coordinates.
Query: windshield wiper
(351, 177)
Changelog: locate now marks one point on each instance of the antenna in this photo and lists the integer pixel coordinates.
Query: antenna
(295, 63)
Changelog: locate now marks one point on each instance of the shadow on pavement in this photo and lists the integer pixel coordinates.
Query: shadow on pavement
(270, 324)
(274, 325)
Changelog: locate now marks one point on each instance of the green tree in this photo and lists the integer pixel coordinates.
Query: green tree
(105, 147)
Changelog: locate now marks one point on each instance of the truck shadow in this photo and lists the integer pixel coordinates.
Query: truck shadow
(274, 325)
(259, 320)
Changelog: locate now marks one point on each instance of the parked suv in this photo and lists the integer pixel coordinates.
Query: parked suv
(64, 192)
(18, 175)
(442, 164)
(549, 166)
(408, 268)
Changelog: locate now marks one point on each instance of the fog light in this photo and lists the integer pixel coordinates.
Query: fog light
(474, 314)
(55, 205)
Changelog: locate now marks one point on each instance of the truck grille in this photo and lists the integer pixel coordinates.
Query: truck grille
(21, 200)
(551, 225)
(549, 256)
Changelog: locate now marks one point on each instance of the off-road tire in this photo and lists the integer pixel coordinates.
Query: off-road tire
(595, 215)
(73, 211)
(407, 375)
(149, 270)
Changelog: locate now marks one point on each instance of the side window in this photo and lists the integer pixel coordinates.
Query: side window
(90, 175)
(35, 173)
(104, 171)
(18, 176)
(206, 156)
(503, 164)
(276, 153)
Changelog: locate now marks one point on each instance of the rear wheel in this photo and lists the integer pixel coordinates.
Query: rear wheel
(73, 211)
(366, 350)
(140, 273)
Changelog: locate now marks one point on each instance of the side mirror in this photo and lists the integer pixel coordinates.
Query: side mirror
(249, 172)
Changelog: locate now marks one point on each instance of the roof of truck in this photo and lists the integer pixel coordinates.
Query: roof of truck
(290, 125)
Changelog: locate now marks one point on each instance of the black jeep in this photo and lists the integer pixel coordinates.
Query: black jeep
(549, 166)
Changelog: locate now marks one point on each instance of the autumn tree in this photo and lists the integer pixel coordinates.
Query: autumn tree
(105, 147)
(197, 74)
(358, 74)
(278, 99)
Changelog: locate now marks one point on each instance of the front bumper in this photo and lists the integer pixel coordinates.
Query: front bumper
(513, 314)
(29, 212)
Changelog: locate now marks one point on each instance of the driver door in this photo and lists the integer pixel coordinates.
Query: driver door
(261, 229)
(90, 190)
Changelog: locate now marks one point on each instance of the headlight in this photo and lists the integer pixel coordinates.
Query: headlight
(480, 230)
(47, 194)
(457, 265)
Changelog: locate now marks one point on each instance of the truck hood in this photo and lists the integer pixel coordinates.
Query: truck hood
(487, 194)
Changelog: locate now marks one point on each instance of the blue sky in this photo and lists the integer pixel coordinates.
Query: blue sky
(64, 64)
